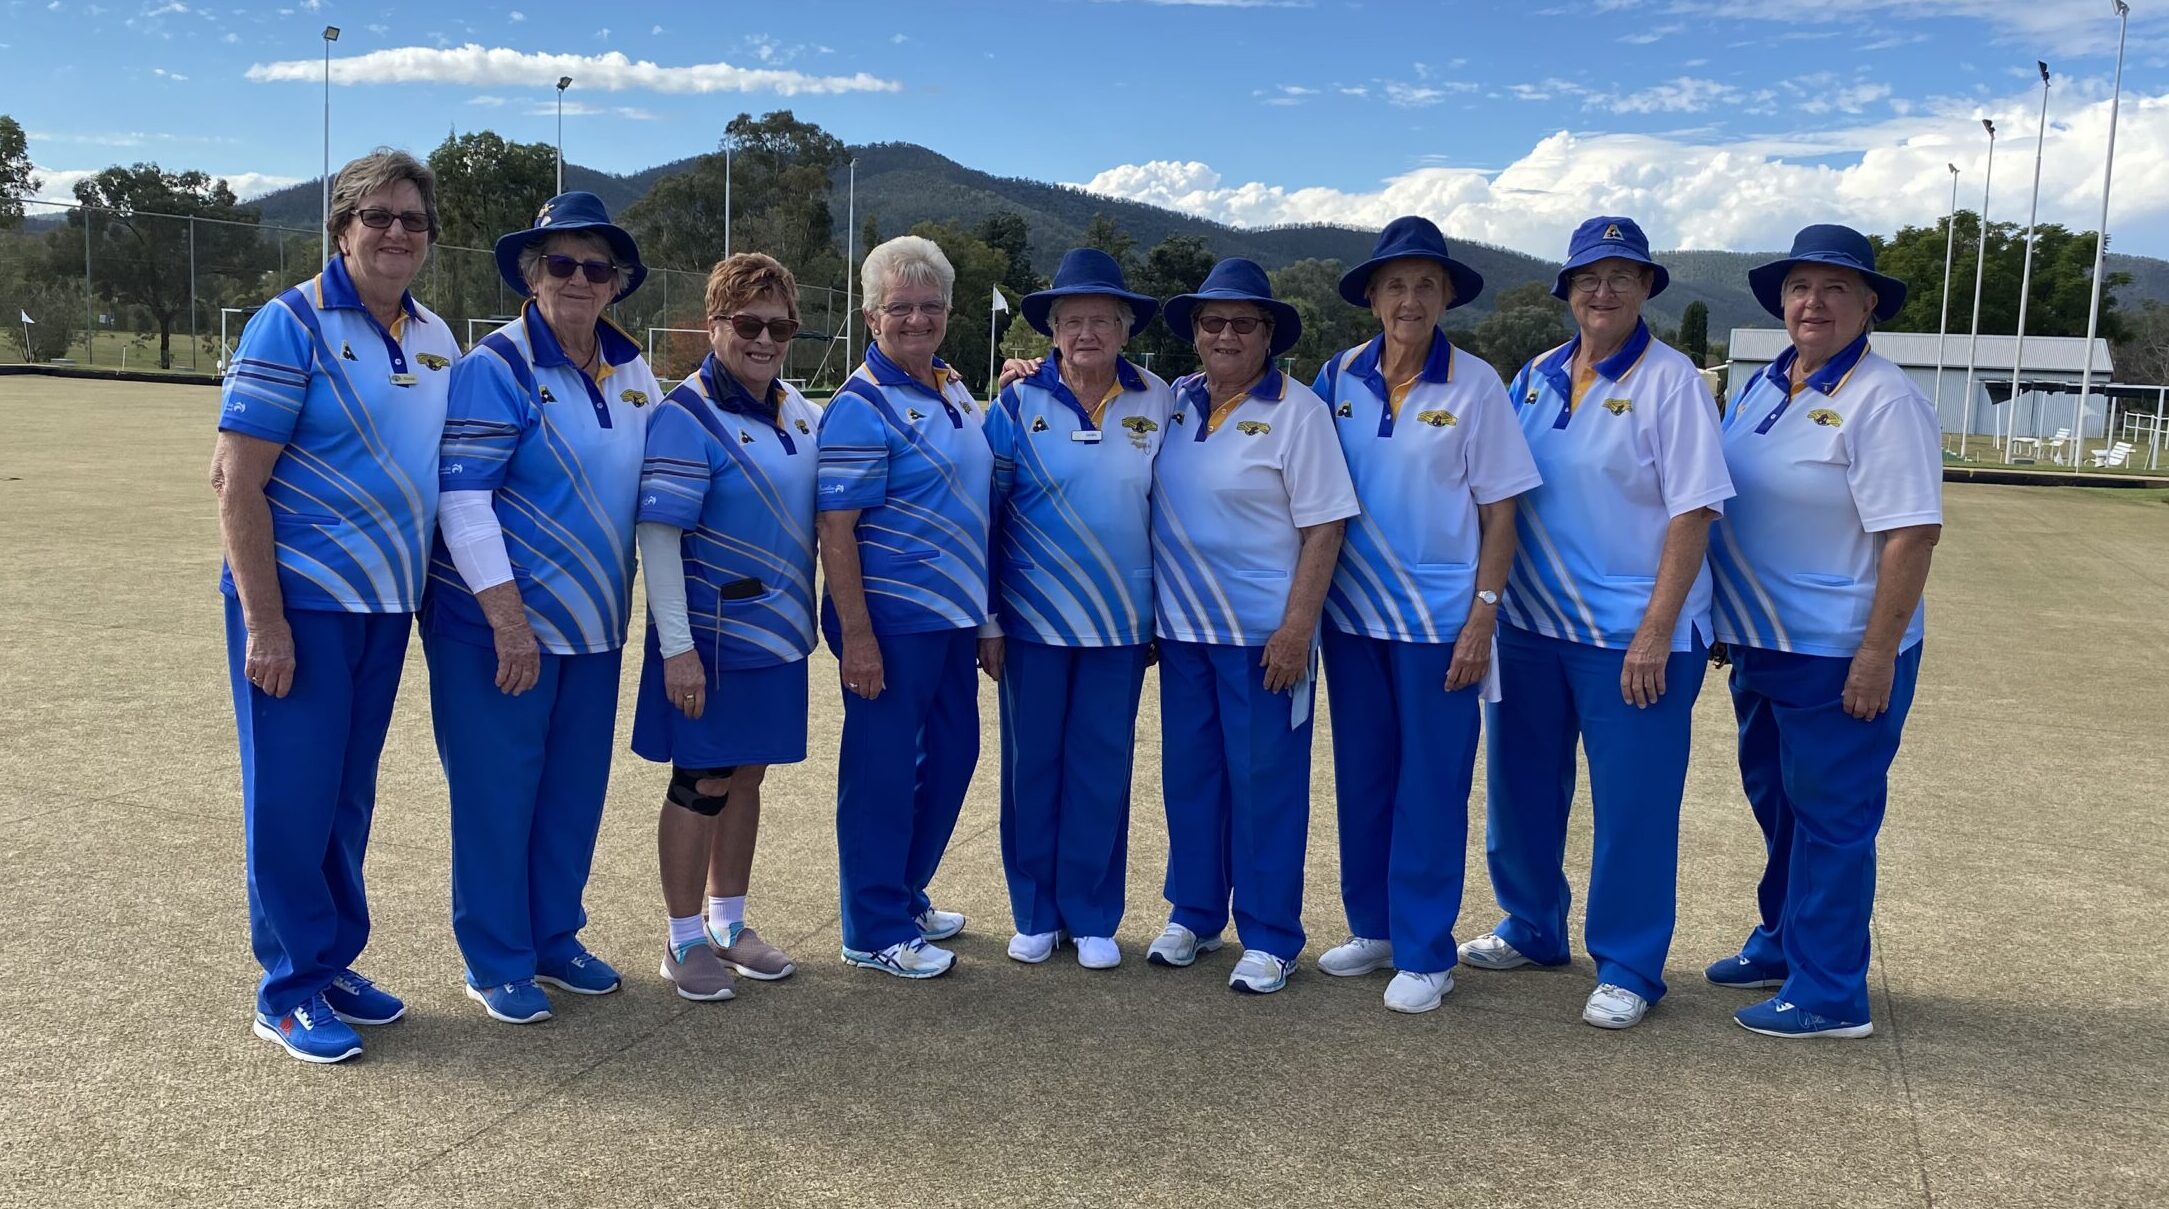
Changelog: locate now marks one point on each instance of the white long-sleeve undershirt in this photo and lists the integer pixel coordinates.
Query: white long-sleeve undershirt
(664, 567)
(468, 520)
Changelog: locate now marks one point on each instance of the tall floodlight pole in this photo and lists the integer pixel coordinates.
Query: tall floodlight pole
(850, 235)
(726, 197)
(563, 83)
(1943, 330)
(1980, 267)
(2101, 240)
(331, 35)
(2025, 283)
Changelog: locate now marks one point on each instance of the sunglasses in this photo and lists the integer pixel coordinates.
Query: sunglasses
(749, 327)
(1213, 324)
(599, 272)
(375, 219)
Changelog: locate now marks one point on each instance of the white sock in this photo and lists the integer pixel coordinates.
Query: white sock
(723, 912)
(685, 931)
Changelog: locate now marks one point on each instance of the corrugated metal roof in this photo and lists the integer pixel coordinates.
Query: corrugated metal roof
(1917, 350)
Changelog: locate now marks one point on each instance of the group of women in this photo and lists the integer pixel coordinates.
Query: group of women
(1536, 564)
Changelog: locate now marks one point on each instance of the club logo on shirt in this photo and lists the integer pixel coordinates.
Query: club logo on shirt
(802, 428)
(744, 437)
(547, 397)
(913, 413)
(433, 361)
(1253, 428)
(1140, 425)
(347, 351)
(966, 404)
(1619, 407)
(1177, 417)
(1039, 423)
(638, 398)
(1437, 418)
(1826, 417)
(1345, 411)
(1531, 400)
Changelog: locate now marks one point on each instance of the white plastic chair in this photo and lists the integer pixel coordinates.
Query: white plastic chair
(2118, 454)
(2058, 443)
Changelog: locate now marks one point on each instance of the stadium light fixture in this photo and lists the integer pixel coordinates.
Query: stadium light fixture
(563, 83)
(331, 35)
(1950, 243)
(2101, 242)
(2025, 281)
(1980, 266)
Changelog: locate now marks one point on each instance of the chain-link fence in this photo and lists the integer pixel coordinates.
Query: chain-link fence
(83, 285)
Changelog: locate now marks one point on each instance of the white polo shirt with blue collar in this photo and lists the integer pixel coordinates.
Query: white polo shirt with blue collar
(1641, 448)
(1823, 474)
(359, 410)
(1230, 496)
(1423, 454)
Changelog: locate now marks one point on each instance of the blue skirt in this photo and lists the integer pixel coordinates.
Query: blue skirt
(754, 715)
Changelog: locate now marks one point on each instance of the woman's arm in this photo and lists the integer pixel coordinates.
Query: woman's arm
(1494, 556)
(1686, 543)
(662, 566)
(861, 659)
(1901, 574)
(240, 467)
(1287, 652)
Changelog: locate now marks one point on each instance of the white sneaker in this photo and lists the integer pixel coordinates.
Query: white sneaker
(1413, 993)
(1491, 952)
(1031, 948)
(907, 959)
(939, 925)
(1098, 952)
(1259, 973)
(1360, 955)
(1179, 946)
(1614, 1007)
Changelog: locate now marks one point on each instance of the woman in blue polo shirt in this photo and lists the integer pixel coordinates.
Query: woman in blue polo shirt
(1820, 564)
(1250, 496)
(726, 540)
(1073, 449)
(903, 496)
(326, 474)
(1437, 459)
(1607, 626)
(530, 593)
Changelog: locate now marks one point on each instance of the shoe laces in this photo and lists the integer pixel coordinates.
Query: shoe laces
(313, 1012)
(1613, 990)
(352, 983)
(520, 984)
(580, 961)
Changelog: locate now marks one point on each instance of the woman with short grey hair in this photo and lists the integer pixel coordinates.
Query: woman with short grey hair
(903, 481)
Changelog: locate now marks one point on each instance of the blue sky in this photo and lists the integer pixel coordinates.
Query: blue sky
(1718, 123)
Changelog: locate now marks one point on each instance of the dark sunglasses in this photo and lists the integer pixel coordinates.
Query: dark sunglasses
(381, 220)
(749, 327)
(600, 272)
(1243, 327)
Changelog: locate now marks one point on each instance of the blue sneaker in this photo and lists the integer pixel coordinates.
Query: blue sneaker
(1777, 1018)
(519, 1002)
(311, 1033)
(357, 1000)
(1742, 974)
(585, 974)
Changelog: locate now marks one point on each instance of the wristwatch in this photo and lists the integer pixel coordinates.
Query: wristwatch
(1487, 596)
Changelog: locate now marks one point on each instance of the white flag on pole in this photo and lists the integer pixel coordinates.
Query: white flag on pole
(27, 318)
(1000, 303)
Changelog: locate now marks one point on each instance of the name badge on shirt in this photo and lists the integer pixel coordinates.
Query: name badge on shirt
(1087, 436)
(404, 379)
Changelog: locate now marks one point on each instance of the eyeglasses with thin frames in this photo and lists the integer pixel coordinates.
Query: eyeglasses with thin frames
(903, 310)
(412, 221)
(1619, 283)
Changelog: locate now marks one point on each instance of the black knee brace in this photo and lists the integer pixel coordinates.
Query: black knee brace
(685, 790)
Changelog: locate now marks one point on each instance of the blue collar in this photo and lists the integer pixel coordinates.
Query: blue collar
(1271, 388)
(728, 393)
(1438, 363)
(617, 347)
(1050, 373)
(337, 292)
(1610, 369)
(1827, 379)
(889, 373)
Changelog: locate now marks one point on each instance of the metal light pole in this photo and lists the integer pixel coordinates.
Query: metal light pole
(726, 197)
(1943, 329)
(2101, 241)
(2025, 284)
(851, 235)
(331, 35)
(563, 83)
(1980, 267)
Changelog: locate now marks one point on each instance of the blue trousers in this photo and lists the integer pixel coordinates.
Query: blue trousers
(1818, 780)
(1069, 734)
(528, 777)
(901, 773)
(309, 790)
(1236, 777)
(1556, 692)
(1404, 757)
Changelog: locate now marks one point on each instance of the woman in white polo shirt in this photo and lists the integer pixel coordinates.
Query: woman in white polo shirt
(1820, 564)
(1606, 630)
(1250, 496)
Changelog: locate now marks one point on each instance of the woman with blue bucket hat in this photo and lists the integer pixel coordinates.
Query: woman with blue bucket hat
(1607, 628)
(530, 594)
(1437, 458)
(1071, 634)
(1820, 564)
(1250, 496)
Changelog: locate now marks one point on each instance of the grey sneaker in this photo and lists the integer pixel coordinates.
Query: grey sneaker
(744, 951)
(697, 973)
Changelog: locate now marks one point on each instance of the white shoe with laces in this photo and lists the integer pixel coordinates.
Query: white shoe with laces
(908, 959)
(1098, 952)
(939, 925)
(1178, 946)
(1259, 973)
(1491, 952)
(1031, 948)
(1417, 993)
(1360, 955)
(1612, 1006)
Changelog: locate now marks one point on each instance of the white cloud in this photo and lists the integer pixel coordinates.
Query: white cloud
(483, 66)
(516, 16)
(2056, 26)
(580, 109)
(485, 99)
(1683, 95)
(163, 74)
(58, 184)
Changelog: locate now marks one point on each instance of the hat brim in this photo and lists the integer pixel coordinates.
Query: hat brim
(1467, 282)
(1767, 282)
(1287, 321)
(1038, 306)
(622, 249)
(1657, 284)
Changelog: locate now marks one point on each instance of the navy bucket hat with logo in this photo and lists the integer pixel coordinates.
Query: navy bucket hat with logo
(1830, 244)
(1608, 237)
(568, 212)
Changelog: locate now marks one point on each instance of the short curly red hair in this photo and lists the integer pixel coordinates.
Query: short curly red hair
(738, 280)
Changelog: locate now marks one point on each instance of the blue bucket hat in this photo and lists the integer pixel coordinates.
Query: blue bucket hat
(1411, 238)
(1086, 271)
(1840, 247)
(1608, 237)
(572, 212)
(1237, 280)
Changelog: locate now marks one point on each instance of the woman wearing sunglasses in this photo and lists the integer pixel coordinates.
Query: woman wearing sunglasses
(530, 593)
(903, 486)
(326, 474)
(1250, 497)
(726, 540)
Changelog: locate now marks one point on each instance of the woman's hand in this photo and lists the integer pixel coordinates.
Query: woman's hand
(685, 683)
(269, 661)
(1286, 660)
(1641, 676)
(1013, 369)
(862, 666)
(991, 655)
(519, 659)
(1867, 684)
(1472, 650)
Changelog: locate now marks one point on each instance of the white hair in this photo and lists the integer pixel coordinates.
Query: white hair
(1122, 310)
(905, 260)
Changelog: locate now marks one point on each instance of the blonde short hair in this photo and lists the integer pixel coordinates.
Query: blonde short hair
(738, 280)
(384, 167)
(905, 260)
